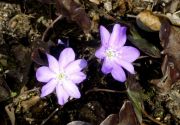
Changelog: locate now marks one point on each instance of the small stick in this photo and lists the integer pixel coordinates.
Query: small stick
(104, 90)
(50, 27)
(45, 120)
(151, 118)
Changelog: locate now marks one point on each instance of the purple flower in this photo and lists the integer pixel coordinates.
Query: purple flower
(115, 54)
(62, 75)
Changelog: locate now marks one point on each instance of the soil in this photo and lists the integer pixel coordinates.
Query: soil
(27, 30)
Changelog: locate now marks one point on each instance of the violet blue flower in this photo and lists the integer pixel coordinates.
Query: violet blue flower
(114, 54)
(62, 76)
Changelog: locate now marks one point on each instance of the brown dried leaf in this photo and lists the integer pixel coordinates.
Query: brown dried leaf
(127, 116)
(112, 119)
(148, 21)
(27, 104)
(170, 40)
(75, 12)
(39, 56)
(10, 112)
(78, 123)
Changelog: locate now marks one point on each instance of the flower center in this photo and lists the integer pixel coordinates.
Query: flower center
(61, 76)
(110, 53)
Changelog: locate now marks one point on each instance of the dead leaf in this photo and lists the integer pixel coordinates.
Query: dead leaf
(148, 21)
(27, 104)
(95, 1)
(10, 111)
(172, 6)
(112, 119)
(73, 11)
(78, 123)
(174, 18)
(126, 116)
(39, 56)
(170, 40)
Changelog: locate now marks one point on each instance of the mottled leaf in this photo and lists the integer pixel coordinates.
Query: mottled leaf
(135, 92)
(143, 44)
(78, 123)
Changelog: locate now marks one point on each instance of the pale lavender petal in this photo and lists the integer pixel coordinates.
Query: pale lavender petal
(118, 74)
(49, 87)
(118, 36)
(100, 53)
(77, 77)
(71, 89)
(44, 74)
(53, 63)
(126, 65)
(129, 53)
(66, 57)
(105, 35)
(76, 66)
(62, 95)
(107, 66)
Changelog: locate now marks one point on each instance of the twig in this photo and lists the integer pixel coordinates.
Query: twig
(151, 118)
(104, 90)
(50, 27)
(45, 120)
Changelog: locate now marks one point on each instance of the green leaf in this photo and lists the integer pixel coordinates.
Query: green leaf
(134, 92)
(143, 44)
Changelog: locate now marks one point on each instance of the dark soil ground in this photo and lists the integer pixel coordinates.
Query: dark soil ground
(28, 29)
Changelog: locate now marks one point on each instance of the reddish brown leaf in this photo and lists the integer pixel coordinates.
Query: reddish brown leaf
(39, 56)
(170, 40)
(75, 12)
(127, 116)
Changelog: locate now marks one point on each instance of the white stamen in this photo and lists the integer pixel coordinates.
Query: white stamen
(111, 53)
(61, 76)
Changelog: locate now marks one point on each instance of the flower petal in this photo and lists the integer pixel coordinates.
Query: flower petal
(76, 66)
(100, 53)
(53, 63)
(66, 57)
(77, 77)
(48, 88)
(107, 66)
(128, 66)
(44, 74)
(62, 95)
(118, 74)
(118, 36)
(105, 35)
(130, 54)
(71, 89)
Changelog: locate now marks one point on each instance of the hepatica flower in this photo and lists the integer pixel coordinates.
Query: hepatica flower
(62, 76)
(114, 54)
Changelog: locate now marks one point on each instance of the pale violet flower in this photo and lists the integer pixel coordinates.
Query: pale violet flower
(114, 54)
(62, 76)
